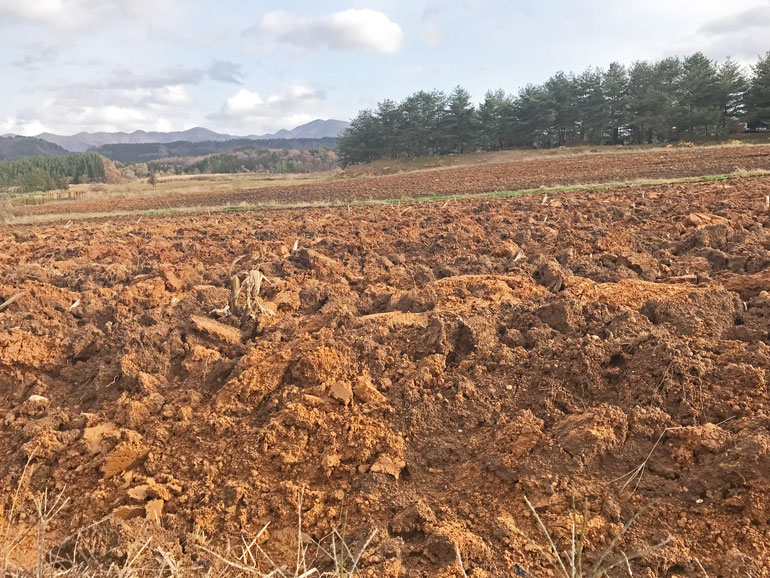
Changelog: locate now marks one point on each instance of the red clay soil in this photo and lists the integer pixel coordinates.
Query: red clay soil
(427, 367)
(511, 176)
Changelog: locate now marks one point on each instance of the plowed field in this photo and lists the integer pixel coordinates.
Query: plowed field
(591, 168)
(410, 372)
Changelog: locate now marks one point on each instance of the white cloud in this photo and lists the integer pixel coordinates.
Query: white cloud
(79, 95)
(58, 117)
(59, 13)
(73, 14)
(176, 95)
(243, 103)
(41, 10)
(220, 71)
(34, 56)
(224, 71)
(12, 125)
(113, 110)
(127, 79)
(111, 116)
(741, 34)
(431, 34)
(430, 31)
(742, 22)
(352, 29)
(295, 105)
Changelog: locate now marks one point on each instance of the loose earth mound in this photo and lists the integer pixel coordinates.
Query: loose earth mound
(411, 373)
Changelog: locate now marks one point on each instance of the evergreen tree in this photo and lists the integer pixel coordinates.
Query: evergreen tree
(732, 91)
(361, 142)
(758, 96)
(562, 101)
(643, 102)
(497, 120)
(460, 122)
(391, 117)
(535, 116)
(48, 173)
(664, 99)
(592, 106)
(615, 84)
(699, 98)
(423, 112)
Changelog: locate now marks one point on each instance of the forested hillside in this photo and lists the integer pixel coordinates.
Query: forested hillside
(255, 160)
(13, 148)
(48, 173)
(147, 152)
(648, 102)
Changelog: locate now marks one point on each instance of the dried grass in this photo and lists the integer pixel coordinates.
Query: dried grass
(571, 563)
(191, 184)
(148, 558)
(635, 476)
(12, 299)
(6, 214)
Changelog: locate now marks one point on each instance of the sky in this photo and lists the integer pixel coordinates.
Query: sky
(251, 67)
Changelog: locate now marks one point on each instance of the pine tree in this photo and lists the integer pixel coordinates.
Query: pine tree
(699, 97)
(642, 102)
(460, 122)
(361, 141)
(758, 95)
(535, 116)
(615, 85)
(732, 91)
(592, 106)
(391, 118)
(496, 120)
(562, 101)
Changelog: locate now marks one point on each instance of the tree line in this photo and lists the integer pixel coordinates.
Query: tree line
(249, 160)
(49, 173)
(129, 153)
(669, 100)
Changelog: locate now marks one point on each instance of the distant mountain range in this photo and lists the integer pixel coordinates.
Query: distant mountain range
(314, 129)
(85, 140)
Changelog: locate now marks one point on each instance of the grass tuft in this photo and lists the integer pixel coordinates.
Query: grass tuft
(571, 563)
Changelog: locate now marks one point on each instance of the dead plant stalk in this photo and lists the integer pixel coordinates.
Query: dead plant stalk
(570, 564)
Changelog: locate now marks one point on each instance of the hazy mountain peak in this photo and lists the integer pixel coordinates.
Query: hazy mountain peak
(82, 141)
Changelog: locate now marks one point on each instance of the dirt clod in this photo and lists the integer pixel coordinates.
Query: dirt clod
(218, 330)
(388, 465)
(342, 392)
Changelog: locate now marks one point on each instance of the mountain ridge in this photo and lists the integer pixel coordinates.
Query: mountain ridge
(83, 141)
(13, 148)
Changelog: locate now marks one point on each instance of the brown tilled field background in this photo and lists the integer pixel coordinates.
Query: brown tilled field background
(398, 376)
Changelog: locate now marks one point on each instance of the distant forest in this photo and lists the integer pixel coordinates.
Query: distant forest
(13, 148)
(254, 160)
(48, 173)
(648, 102)
(144, 153)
